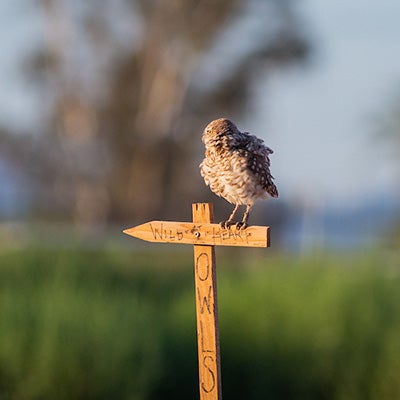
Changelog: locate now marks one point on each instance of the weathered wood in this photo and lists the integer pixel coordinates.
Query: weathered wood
(200, 232)
(207, 311)
(204, 235)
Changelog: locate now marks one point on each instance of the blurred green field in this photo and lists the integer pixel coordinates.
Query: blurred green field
(88, 324)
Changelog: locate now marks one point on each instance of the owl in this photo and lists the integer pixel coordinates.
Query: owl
(236, 167)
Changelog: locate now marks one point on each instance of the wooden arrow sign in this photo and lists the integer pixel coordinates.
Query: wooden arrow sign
(204, 235)
(200, 233)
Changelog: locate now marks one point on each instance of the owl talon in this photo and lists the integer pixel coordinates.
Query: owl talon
(226, 224)
(241, 225)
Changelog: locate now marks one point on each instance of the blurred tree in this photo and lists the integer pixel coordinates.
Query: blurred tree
(389, 132)
(389, 126)
(127, 89)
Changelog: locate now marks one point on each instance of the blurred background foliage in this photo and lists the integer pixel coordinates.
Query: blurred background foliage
(128, 95)
(80, 324)
(121, 92)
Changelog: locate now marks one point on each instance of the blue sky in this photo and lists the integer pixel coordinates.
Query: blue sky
(321, 118)
(318, 118)
(19, 22)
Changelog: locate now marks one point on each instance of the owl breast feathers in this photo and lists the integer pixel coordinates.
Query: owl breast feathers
(236, 164)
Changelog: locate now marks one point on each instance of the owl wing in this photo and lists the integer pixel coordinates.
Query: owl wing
(258, 162)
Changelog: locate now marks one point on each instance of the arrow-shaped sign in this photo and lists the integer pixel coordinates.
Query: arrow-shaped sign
(204, 235)
(200, 234)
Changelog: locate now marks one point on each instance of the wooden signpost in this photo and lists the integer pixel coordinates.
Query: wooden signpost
(204, 235)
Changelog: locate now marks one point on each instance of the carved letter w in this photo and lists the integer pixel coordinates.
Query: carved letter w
(205, 301)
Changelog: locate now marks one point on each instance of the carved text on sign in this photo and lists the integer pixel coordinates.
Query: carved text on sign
(162, 231)
(206, 316)
(200, 233)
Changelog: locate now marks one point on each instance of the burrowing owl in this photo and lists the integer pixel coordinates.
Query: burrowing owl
(236, 167)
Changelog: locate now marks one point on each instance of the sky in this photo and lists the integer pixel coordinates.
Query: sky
(19, 27)
(319, 118)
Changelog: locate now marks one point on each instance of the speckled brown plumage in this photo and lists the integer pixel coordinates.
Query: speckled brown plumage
(236, 167)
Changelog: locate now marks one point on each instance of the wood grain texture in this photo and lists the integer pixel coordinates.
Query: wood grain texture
(204, 235)
(207, 311)
(200, 232)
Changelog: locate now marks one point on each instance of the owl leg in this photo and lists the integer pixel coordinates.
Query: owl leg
(243, 223)
(229, 222)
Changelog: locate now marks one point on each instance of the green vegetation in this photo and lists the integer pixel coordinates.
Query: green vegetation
(121, 325)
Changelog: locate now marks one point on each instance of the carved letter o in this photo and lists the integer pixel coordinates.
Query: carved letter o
(203, 266)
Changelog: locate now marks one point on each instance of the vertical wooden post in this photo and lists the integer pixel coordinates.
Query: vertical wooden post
(206, 310)
(204, 235)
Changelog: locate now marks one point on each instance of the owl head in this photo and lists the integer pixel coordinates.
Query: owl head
(218, 129)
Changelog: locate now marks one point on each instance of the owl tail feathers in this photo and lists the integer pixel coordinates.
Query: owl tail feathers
(273, 191)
